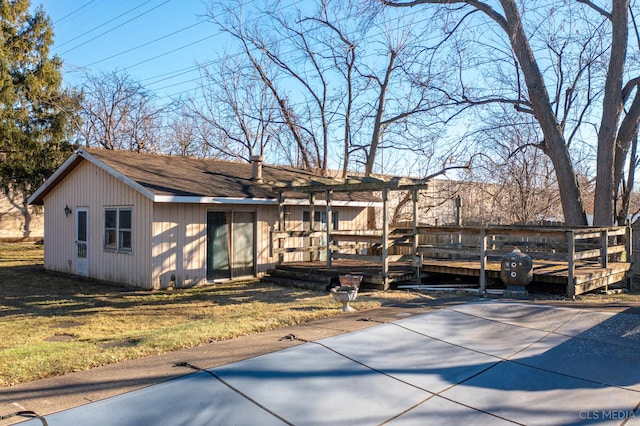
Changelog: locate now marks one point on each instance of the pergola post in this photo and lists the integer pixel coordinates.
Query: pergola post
(328, 197)
(281, 226)
(312, 223)
(385, 238)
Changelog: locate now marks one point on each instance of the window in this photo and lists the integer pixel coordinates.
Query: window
(320, 220)
(117, 229)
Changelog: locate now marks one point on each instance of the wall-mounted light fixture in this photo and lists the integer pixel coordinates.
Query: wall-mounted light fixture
(67, 210)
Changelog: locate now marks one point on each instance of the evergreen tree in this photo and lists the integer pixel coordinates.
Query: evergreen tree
(35, 111)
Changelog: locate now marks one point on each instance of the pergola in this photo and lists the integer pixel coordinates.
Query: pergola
(352, 184)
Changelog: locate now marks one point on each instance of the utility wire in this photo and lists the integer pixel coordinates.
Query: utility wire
(74, 11)
(146, 44)
(187, 70)
(101, 25)
(171, 51)
(117, 26)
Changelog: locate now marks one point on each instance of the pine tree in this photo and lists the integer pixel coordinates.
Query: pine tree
(35, 111)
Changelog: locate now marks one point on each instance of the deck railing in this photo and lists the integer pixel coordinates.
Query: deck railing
(574, 245)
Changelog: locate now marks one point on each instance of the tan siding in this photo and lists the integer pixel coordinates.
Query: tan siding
(267, 218)
(59, 233)
(179, 245)
(180, 241)
(94, 189)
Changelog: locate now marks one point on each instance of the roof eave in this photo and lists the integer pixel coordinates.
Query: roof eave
(37, 198)
(258, 201)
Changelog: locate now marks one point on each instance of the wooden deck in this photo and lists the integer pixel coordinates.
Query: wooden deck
(587, 275)
(579, 259)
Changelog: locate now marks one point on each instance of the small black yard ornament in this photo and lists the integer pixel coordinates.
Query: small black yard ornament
(516, 271)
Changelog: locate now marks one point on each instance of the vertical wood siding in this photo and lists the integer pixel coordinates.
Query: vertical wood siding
(179, 241)
(179, 245)
(90, 187)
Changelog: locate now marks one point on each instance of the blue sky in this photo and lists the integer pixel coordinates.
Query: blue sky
(157, 42)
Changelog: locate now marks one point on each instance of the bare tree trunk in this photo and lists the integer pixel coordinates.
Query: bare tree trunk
(22, 205)
(554, 143)
(627, 189)
(377, 125)
(26, 213)
(611, 111)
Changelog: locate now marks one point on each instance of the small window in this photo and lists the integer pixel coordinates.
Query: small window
(124, 229)
(118, 229)
(320, 220)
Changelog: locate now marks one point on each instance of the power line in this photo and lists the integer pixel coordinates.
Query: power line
(147, 43)
(171, 51)
(118, 26)
(180, 47)
(101, 25)
(183, 71)
(73, 12)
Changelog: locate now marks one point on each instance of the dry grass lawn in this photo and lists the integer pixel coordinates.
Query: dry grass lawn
(52, 324)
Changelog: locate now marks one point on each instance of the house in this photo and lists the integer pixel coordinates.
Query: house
(157, 221)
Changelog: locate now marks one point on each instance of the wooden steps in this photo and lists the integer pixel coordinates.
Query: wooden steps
(316, 276)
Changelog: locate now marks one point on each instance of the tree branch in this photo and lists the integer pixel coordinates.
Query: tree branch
(597, 8)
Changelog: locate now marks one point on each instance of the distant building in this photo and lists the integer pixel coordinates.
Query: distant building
(13, 221)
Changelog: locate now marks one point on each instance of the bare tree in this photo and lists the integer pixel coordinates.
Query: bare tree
(118, 113)
(182, 136)
(615, 129)
(261, 55)
(237, 108)
(322, 69)
(517, 179)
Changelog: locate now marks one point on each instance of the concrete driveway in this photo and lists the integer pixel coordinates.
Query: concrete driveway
(485, 363)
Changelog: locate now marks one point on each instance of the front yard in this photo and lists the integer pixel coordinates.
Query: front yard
(52, 324)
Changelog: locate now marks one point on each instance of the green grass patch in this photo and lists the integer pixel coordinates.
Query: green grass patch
(53, 324)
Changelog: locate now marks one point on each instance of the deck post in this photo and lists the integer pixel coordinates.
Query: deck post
(385, 238)
(416, 255)
(483, 261)
(312, 224)
(571, 263)
(604, 248)
(328, 197)
(629, 253)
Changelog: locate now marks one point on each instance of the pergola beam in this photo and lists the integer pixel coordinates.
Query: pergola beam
(351, 185)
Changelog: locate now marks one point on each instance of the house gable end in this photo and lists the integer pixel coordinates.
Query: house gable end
(71, 164)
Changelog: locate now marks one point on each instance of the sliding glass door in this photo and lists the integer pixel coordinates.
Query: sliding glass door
(230, 244)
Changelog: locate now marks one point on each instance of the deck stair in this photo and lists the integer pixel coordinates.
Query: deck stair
(316, 276)
(288, 276)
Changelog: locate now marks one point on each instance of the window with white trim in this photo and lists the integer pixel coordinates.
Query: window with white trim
(118, 229)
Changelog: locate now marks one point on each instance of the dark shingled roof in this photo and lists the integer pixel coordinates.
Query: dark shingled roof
(166, 175)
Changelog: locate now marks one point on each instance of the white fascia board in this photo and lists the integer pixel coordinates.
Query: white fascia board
(116, 174)
(256, 201)
(62, 169)
(212, 200)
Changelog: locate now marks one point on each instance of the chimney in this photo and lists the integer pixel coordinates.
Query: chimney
(256, 168)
